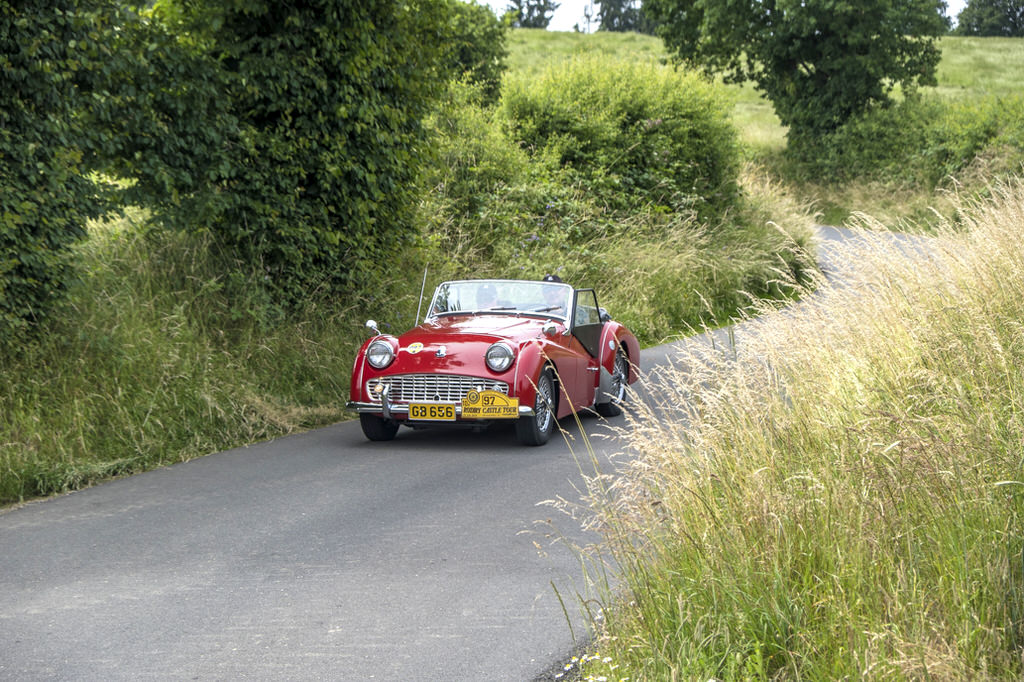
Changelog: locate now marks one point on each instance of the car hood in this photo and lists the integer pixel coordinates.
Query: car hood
(463, 328)
(457, 343)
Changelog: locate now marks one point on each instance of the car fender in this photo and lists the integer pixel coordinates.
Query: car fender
(613, 337)
(357, 388)
(530, 360)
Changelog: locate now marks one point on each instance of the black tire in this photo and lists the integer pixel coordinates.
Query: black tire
(536, 430)
(378, 428)
(620, 379)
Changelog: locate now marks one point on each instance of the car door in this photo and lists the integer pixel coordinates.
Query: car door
(586, 321)
(586, 331)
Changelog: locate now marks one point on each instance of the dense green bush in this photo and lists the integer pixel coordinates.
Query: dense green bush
(498, 208)
(968, 130)
(475, 46)
(291, 133)
(474, 156)
(870, 145)
(163, 119)
(640, 134)
(920, 142)
(45, 200)
(493, 202)
(306, 173)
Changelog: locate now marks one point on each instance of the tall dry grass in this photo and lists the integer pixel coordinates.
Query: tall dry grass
(840, 496)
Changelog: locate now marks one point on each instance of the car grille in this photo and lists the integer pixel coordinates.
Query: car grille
(411, 388)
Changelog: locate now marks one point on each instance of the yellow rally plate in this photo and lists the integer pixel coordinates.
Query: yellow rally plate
(489, 405)
(432, 412)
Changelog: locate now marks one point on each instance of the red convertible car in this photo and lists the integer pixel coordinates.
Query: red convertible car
(528, 351)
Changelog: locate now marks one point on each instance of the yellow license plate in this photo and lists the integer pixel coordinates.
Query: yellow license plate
(489, 405)
(431, 413)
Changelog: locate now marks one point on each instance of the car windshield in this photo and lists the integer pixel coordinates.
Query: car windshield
(502, 296)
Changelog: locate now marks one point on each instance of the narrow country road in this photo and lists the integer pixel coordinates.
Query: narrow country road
(316, 556)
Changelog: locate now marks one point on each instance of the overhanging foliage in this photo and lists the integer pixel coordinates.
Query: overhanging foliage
(323, 135)
(45, 198)
(292, 133)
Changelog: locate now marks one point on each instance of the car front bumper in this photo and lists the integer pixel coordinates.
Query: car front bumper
(390, 410)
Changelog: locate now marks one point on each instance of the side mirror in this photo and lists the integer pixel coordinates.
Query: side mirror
(372, 326)
(549, 329)
(605, 317)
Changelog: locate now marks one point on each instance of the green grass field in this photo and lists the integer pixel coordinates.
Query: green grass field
(974, 67)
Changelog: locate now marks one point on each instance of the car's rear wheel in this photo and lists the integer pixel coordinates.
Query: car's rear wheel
(378, 428)
(617, 390)
(537, 429)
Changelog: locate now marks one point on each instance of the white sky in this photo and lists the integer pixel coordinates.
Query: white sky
(570, 12)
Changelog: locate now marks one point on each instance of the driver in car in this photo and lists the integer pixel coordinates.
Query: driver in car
(554, 297)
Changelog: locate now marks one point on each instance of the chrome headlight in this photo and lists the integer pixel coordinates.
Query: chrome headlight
(380, 354)
(499, 357)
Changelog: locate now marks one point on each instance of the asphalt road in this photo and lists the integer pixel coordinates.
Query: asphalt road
(316, 556)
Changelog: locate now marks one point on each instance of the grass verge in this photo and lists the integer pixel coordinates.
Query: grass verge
(844, 498)
(147, 367)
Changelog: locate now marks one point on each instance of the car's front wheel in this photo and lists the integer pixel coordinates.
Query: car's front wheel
(378, 428)
(537, 429)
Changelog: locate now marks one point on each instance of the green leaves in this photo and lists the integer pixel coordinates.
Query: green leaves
(920, 142)
(318, 197)
(291, 132)
(991, 18)
(475, 49)
(46, 197)
(818, 61)
(642, 134)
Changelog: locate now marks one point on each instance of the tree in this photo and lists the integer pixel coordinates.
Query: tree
(45, 194)
(307, 175)
(818, 61)
(475, 46)
(624, 15)
(588, 18)
(530, 13)
(163, 118)
(991, 18)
